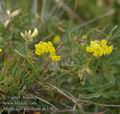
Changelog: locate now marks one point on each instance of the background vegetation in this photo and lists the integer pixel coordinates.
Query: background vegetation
(79, 83)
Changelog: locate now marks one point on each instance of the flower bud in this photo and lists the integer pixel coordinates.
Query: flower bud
(35, 33)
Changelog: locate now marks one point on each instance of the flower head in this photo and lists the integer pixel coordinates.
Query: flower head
(99, 48)
(57, 39)
(10, 16)
(29, 35)
(46, 48)
(56, 58)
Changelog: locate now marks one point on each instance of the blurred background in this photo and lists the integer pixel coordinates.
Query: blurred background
(82, 12)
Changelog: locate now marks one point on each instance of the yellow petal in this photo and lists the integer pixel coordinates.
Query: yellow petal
(103, 42)
(56, 58)
(109, 50)
(88, 49)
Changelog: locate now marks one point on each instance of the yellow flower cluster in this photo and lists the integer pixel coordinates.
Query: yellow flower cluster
(99, 48)
(46, 47)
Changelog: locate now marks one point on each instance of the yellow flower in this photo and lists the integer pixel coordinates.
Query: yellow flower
(56, 58)
(57, 39)
(98, 51)
(29, 35)
(103, 42)
(46, 47)
(1, 50)
(93, 46)
(99, 48)
(52, 51)
(106, 49)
